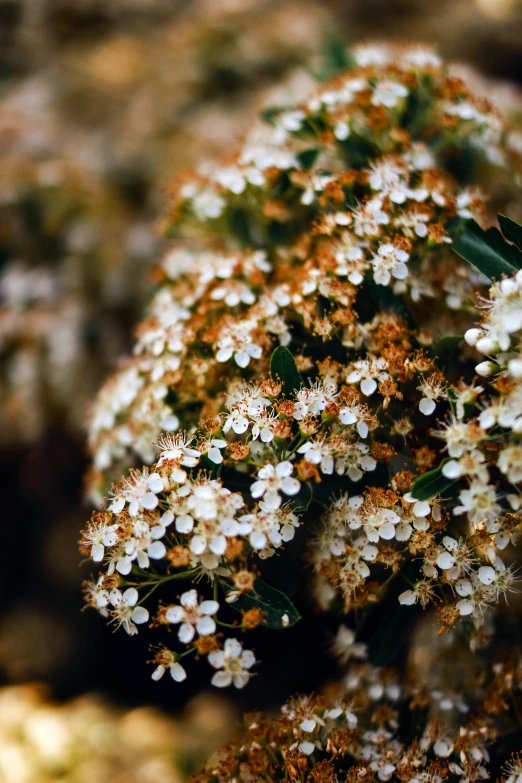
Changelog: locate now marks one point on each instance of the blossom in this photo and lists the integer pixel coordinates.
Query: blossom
(273, 479)
(98, 536)
(193, 616)
(312, 400)
(509, 462)
(345, 646)
(479, 503)
(233, 663)
(144, 544)
(388, 93)
(237, 341)
(389, 261)
(177, 449)
(139, 491)
(168, 660)
(366, 372)
(213, 448)
(266, 526)
(125, 612)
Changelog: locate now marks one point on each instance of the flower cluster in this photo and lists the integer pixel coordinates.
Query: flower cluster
(292, 372)
(91, 738)
(359, 731)
(349, 191)
(77, 202)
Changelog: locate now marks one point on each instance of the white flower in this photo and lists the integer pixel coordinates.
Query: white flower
(389, 261)
(366, 372)
(313, 399)
(207, 204)
(432, 390)
(125, 611)
(479, 502)
(388, 93)
(380, 523)
(236, 341)
(509, 461)
(341, 131)
(139, 490)
(273, 479)
(98, 595)
(177, 449)
(213, 448)
(355, 461)
(443, 748)
(193, 616)
(98, 536)
(234, 292)
(169, 660)
(319, 453)
(268, 527)
(234, 664)
(144, 544)
(177, 672)
(345, 646)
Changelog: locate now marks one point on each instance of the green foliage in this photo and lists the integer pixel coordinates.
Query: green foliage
(274, 604)
(336, 58)
(445, 351)
(308, 158)
(511, 230)
(284, 369)
(431, 484)
(488, 251)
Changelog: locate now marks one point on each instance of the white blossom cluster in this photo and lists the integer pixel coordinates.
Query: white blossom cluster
(360, 725)
(301, 379)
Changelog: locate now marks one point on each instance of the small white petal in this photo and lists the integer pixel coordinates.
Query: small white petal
(177, 672)
(140, 614)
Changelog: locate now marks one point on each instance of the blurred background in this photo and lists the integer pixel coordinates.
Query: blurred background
(101, 103)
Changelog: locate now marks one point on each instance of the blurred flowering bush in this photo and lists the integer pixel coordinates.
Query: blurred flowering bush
(78, 194)
(89, 739)
(310, 368)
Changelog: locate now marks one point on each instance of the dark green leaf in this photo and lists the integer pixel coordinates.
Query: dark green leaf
(337, 58)
(487, 251)
(431, 484)
(273, 603)
(446, 350)
(387, 624)
(239, 226)
(308, 158)
(268, 115)
(357, 150)
(284, 368)
(511, 229)
(391, 634)
(300, 502)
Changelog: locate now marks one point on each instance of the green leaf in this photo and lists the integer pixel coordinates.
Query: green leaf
(337, 57)
(487, 251)
(300, 502)
(308, 158)
(511, 229)
(273, 603)
(239, 226)
(391, 634)
(446, 350)
(269, 115)
(431, 484)
(283, 366)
